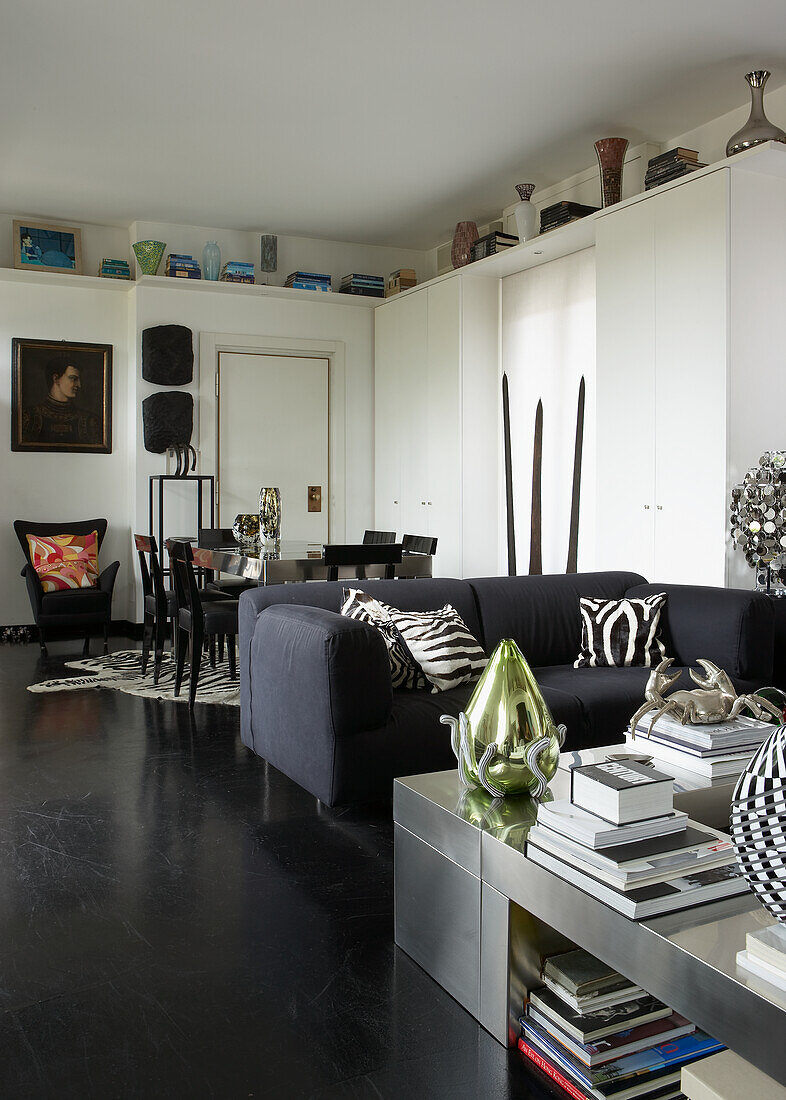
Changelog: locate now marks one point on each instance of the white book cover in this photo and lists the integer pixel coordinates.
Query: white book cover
(592, 831)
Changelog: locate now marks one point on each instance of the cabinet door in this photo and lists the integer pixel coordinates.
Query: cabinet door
(691, 232)
(388, 338)
(443, 426)
(411, 421)
(625, 444)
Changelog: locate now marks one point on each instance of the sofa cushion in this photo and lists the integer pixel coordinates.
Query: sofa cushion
(541, 614)
(621, 633)
(441, 644)
(405, 672)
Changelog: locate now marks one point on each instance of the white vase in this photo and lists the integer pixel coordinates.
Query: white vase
(525, 213)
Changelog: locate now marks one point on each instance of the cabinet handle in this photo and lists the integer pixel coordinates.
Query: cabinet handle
(646, 507)
(395, 502)
(422, 502)
(429, 503)
(660, 507)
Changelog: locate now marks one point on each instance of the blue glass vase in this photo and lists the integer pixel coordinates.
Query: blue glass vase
(211, 261)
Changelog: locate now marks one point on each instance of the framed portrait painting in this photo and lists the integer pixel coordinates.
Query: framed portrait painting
(61, 396)
(42, 247)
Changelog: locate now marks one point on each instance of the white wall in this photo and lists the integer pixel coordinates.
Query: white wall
(45, 486)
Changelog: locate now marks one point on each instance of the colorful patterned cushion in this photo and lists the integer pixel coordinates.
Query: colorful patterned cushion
(65, 561)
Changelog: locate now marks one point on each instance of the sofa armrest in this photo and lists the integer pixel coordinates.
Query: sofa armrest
(732, 627)
(106, 582)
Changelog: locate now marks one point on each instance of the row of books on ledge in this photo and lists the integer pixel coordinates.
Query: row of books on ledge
(619, 839)
(597, 1035)
(671, 165)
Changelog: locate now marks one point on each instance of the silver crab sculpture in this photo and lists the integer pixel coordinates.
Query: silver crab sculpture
(713, 700)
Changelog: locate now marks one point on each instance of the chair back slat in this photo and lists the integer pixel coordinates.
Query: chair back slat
(376, 538)
(419, 544)
(361, 555)
(186, 589)
(25, 527)
(213, 538)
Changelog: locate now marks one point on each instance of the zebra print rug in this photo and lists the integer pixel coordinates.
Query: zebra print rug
(122, 671)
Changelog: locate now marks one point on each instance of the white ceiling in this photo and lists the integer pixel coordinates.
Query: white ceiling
(377, 121)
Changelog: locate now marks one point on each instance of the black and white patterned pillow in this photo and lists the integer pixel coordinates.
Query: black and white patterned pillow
(621, 633)
(441, 644)
(405, 672)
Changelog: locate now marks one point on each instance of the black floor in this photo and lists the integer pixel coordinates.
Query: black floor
(179, 919)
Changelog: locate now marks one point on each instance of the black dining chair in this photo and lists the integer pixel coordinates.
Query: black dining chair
(375, 538)
(76, 609)
(197, 620)
(419, 544)
(216, 538)
(358, 556)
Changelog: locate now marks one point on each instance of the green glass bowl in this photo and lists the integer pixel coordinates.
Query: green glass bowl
(149, 255)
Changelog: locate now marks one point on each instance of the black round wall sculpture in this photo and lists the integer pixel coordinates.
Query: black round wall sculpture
(167, 420)
(167, 355)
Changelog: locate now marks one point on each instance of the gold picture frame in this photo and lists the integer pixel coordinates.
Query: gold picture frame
(38, 242)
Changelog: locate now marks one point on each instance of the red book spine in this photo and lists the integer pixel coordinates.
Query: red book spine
(550, 1071)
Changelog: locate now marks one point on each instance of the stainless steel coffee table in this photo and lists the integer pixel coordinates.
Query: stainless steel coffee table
(478, 916)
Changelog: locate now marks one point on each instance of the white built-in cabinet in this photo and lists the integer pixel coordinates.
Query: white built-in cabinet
(437, 420)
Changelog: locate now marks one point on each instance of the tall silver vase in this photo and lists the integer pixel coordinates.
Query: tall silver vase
(270, 514)
(758, 128)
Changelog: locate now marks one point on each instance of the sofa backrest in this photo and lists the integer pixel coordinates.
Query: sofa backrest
(424, 594)
(541, 614)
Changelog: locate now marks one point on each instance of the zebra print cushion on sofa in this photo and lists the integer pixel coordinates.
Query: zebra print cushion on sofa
(405, 672)
(621, 633)
(441, 644)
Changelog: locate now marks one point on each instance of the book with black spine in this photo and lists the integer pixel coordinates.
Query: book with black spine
(617, 1045)
(591, 1026)
(622, 792)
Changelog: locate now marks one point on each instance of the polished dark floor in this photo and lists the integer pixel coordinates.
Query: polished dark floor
(179, 919)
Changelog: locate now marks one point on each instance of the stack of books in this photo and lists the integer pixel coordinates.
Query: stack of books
(237, 271)
(370, 286)
(403, 279)
(719, 751)
(765, 955)
(670, 166)
(563, 212)
(180, 266)
(620, 840)
(491, 244)
(596, 1034)
(308, 280)
(114, 269)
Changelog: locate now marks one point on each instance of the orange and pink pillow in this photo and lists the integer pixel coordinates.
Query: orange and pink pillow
(65, 561)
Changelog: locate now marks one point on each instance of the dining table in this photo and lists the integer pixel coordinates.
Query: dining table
(289, 561)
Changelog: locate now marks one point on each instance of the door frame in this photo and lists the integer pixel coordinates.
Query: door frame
(212, 343)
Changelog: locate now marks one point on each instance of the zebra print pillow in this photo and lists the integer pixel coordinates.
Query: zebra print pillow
(620, 633)
(441, 644)
(405, 672)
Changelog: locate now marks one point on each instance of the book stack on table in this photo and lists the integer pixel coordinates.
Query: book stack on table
(180, 266)
(620, 840)
(765, 955)
(719, 751)
(671, 166)
(491, 244)
(563, 212)
(309, 280)
(402, 279)
(369, 286)
(237, 271)
(596, 1034)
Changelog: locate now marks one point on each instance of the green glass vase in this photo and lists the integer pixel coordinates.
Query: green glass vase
(506, 741)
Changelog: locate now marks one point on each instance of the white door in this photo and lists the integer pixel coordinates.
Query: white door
(388, 407)
(443, 428)
(273, 431)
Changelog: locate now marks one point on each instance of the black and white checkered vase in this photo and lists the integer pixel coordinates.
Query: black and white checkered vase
(758, 823)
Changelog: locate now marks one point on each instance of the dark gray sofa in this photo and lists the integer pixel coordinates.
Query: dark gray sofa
(316, 697)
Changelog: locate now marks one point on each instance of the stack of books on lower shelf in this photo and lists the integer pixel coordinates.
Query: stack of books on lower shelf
(563, 212)
(620, 840)
(237, 271)
(114, 269)
(181, 266)
(671, 166)
(368, 286)
(596, 1034)
(719, 751)
(402, 279)
(765, 955)
(309, 280)
(491, 244)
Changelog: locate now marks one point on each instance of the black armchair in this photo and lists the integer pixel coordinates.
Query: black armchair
(76, 609)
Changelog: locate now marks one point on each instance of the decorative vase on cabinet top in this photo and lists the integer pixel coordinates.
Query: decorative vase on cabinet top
(506, 741)
(463, 239)
(148, 255)
(525, 213)
(611, 159)
(758, 128)
(211, 261)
